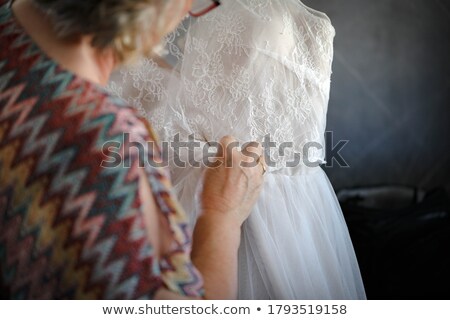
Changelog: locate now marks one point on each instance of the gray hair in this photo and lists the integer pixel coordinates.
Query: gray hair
(130, 27)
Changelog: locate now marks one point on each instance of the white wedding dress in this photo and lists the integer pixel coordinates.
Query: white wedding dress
(253, 68)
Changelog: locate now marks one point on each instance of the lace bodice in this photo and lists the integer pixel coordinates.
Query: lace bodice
(249, 69)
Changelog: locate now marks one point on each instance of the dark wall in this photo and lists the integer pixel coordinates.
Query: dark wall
(390, 97)
(390, 91)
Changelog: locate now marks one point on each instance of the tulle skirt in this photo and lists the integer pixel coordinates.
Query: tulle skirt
(295, 244)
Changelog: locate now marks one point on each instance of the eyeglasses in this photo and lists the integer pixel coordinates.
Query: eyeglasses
(202, 7)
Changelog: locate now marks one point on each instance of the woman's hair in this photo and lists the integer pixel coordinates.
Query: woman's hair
(130, 27)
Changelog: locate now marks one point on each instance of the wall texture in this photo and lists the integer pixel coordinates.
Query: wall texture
(390, 91)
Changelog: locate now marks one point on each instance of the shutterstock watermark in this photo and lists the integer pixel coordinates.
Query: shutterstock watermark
(333, 151)
(191, 152)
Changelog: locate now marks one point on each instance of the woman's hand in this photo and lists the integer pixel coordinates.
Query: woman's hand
(229, 193)
(231, 189)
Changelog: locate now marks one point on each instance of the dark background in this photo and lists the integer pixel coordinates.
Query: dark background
(390, 98)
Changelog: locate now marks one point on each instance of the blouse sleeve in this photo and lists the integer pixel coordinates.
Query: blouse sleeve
(133, 249)
(177, 270)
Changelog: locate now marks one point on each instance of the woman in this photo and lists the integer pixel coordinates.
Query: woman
(80, 216)
(261, 70)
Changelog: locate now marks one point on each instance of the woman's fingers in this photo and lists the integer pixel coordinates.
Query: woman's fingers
(251, 154)
(233, 187)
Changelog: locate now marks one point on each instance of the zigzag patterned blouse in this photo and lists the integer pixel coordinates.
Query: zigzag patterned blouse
(71, 228)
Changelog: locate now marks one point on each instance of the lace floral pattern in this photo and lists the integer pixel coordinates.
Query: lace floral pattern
(259, 7)
(238, 83)
(207, 70)
(229, 33)
(263, 70)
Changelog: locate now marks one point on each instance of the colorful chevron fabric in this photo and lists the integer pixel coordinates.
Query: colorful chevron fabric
(69, 228)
